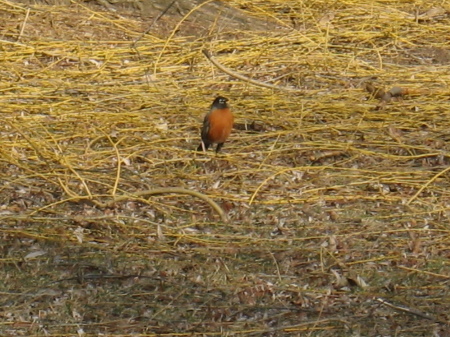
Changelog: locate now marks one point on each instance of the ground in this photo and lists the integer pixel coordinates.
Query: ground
(336, 200)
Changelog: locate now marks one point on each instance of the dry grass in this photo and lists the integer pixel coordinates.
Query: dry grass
(335, 203)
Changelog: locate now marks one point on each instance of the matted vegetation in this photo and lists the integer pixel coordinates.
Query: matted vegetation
(337, 204)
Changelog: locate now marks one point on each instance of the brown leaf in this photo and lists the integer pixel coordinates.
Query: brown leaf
(432, 13)
(373, 91)
(398, 92)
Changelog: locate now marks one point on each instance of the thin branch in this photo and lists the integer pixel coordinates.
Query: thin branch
(245, 78)
(427, 184)
(152, 24)
(22, 29)
(167, 190)
(141, 194)
(412, 311)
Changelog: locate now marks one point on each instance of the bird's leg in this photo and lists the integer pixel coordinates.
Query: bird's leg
(219, 146)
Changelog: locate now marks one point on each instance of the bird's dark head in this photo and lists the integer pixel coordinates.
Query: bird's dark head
(220, 103)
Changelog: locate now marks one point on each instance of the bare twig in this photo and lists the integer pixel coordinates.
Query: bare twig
(177, 190)
(412, 311)
(152, 24)
(245, 78)
(143, 194)
(427, 184)
(22, 29)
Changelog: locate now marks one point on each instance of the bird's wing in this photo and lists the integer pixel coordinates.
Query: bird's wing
(205, 128)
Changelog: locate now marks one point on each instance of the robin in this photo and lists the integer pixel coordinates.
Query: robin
(217, 124)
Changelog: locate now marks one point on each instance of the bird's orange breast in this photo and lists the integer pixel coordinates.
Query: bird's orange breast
(220, 125)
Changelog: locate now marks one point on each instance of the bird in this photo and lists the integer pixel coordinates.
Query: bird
(217, 124)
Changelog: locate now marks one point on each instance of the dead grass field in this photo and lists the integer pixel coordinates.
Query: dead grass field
(338, 206)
